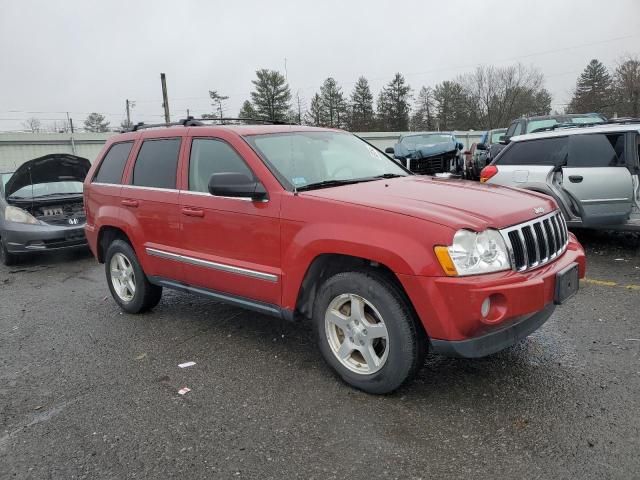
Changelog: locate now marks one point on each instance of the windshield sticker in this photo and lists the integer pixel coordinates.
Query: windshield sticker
(297, 181)
(373, 152)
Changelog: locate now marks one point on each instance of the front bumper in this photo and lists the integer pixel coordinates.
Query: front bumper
(27, 238)
(450, 307)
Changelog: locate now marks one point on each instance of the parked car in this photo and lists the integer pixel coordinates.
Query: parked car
(312, 224)
(41, 206)
(523, 125)
(487, 148)
(592, 172)
(429, 153)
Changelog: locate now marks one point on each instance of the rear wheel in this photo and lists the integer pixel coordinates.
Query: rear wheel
(6, 257)
(367, 333)
(128, 284)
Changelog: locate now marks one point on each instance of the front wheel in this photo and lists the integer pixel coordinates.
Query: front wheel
(366, 331)
(6, 257)
(127, 282)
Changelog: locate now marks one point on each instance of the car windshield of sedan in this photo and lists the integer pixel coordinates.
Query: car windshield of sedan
(306, 159)
(430, 139)
(47, 189)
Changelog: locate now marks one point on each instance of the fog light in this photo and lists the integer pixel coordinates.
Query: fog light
(486, 306)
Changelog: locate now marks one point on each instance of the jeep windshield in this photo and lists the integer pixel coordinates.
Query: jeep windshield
(306, 160)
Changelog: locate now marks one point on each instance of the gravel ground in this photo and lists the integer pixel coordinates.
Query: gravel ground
(89, 392)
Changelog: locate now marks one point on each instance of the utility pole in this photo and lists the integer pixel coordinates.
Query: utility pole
(128, 114)
(188, 115)
(165, 98)
(73, 143)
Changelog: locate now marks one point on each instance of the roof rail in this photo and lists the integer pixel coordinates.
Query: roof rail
(197, 122)
(623, 120)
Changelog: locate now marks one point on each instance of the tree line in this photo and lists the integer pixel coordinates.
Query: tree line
(488, 97)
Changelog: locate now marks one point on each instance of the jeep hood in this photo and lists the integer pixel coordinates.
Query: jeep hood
(56, 167)
(424, 151)
(453, 203)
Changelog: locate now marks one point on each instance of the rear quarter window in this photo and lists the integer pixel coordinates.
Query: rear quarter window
(546, 151)
(112, 166)
(157, 163)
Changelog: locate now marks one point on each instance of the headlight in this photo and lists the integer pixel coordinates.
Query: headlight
(473, 253)
(15, 214)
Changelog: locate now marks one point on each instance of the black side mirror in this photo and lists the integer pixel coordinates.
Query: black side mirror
(236, 185)
(505, 140)
(389, 150)
(481, 146)
(460, 146)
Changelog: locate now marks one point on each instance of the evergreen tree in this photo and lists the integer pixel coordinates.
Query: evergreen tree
(424, 114)
(217, 102)
(315, 115)
(334, 106)
(271, 95)
(362, 118)
(96, 122)
(393, 105)
(593, 92)
(247, 110)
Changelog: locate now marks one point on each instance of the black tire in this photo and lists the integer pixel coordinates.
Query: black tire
(407, 343)
(146, 295)
(7, 258)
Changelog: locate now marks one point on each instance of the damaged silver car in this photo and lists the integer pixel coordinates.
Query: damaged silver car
(41, 206)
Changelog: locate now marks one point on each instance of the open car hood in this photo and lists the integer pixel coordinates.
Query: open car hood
(56, 167)
(424, 151)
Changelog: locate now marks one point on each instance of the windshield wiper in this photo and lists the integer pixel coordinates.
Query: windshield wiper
(57, 194)
(330, 183)
(389, 175)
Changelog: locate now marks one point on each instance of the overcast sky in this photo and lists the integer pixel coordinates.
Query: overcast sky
(83, 56)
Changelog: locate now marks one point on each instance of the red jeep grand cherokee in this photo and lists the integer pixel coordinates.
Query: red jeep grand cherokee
(310, 223)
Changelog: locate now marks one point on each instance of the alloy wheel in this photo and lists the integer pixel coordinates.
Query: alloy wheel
(123, 277)
(357, 334)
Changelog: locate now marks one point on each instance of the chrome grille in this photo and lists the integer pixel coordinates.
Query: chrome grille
(536, 242)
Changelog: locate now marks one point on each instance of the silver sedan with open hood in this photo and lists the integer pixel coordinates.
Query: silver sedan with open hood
(41, 206)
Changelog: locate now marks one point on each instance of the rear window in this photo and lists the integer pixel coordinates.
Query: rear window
(596, 150)
(546, 151)
(111, 168)
(157, 163)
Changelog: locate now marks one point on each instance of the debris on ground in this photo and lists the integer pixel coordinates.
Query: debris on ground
(184, 390)
(187, 364)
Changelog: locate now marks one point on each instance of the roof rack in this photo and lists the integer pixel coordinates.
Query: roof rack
(196, 122)
(623, 120)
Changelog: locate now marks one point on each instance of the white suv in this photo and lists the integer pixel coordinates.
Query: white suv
(592, 172)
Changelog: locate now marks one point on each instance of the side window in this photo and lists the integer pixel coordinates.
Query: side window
(518, 129)
(112, 166)
(546, 151)
(209, 156)
(157, 163)
(511, 129)
(596, 150)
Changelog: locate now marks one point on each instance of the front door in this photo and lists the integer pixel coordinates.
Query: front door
(230, 245)
(597, 179)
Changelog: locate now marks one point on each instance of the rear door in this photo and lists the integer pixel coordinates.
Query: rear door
(597, 178)
(150, 206)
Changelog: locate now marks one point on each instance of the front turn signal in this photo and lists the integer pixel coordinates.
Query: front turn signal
(442, 253)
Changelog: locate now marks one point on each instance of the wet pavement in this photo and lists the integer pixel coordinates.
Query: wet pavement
(89, 392)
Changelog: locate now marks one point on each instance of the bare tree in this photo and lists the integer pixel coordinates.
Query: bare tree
(627, 87)
(32, 124)
(500, 94)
